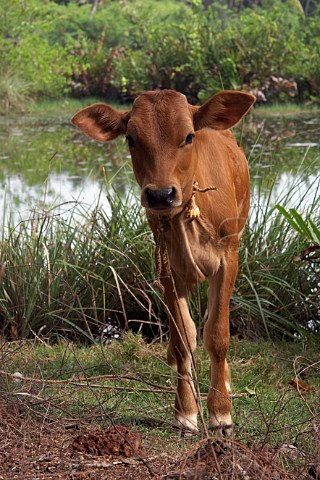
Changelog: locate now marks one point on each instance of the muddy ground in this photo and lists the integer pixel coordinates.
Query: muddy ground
(33, 448)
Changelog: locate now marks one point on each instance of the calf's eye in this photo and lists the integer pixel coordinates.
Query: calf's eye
(129, 141)
(189, 138)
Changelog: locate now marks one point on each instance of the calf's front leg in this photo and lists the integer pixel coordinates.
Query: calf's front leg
(216, 340)
(180, 353)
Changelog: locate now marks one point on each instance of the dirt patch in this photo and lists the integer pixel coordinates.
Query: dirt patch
(49, 449)
(118, 440)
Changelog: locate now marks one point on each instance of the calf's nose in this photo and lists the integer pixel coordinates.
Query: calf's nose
(160, 198)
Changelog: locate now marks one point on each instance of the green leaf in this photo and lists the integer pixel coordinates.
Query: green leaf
(302, 223)
(251, 391)
(315, 231)
(289, 218)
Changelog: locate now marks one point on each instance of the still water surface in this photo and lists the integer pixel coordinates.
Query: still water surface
(46, 162)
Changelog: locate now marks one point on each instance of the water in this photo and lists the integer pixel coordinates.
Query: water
(47, 163)
(284, 159)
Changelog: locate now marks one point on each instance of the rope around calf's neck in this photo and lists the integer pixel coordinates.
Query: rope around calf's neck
(192, 211)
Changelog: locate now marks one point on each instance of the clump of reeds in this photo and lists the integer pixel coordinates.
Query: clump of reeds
(74, 275)
(14, 91)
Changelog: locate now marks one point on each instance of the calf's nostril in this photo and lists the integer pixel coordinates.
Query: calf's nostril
(173, 192)
(171, 195)
(151, 196)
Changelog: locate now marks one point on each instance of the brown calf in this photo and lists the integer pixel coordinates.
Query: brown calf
(176, 147)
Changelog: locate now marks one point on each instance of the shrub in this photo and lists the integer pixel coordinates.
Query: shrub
(26, 49)
(127, 47)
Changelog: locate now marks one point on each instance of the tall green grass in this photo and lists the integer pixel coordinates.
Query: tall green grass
(277, 292)
(14, 91)
(73, 275)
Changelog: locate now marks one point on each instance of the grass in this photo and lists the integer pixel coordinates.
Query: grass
(266, 410)
(70, 104)
(75, 275)
(15, 98)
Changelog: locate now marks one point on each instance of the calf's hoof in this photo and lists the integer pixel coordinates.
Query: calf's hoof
(221, 425)
(186, 425)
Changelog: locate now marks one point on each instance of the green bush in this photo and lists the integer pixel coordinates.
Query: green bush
(128, 47)
(267, 42)
(26, 48)
(218, 48)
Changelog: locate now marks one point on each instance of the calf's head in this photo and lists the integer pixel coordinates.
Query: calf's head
(161, 133)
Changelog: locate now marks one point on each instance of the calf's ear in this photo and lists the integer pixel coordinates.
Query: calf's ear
(223, 110)
(101, 122)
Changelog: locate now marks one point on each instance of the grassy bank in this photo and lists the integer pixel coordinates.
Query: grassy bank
(276, 108)
(285, 109)
(63, 105)
(71, 105)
